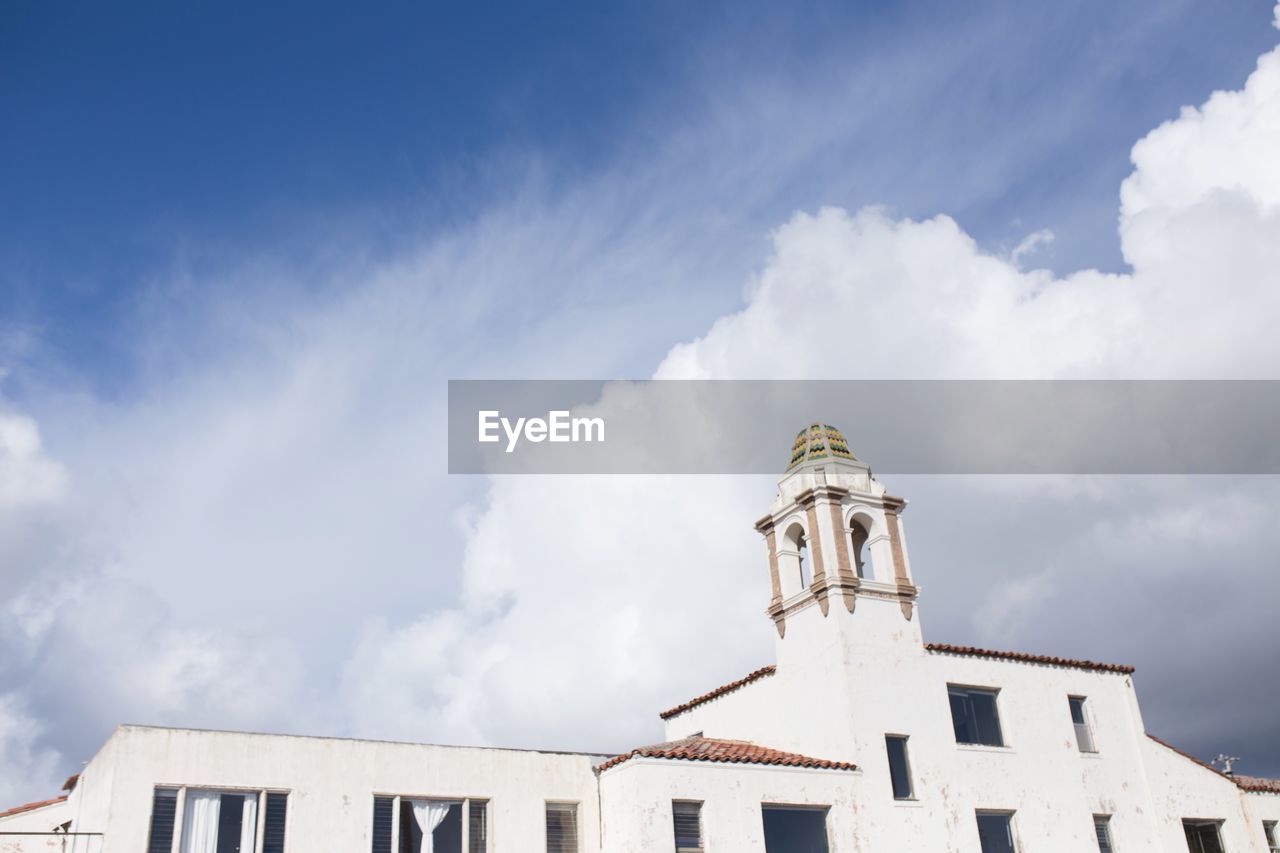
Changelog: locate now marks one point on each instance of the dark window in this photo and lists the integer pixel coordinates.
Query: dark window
(230, 816)
(1269, 830)
(273, 823)
(858, 539)
(446, 835)
(995, 832)
(1102, 829)
(687, 818)
(899, 766)
(382, 814)
(802, 545)
(794, 829)
(1203, 836)
(164, 810)
(973, 713)
(562, 828)
(478, 826)
(1084, 735)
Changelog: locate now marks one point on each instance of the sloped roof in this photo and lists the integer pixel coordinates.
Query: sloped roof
(1023, 657)
(1258, 784)
(726, 752)
(32, 806)
(719, 691)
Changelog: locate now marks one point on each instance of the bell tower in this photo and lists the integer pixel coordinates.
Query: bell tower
(835, 541)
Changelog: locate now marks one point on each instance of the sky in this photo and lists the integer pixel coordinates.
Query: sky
(242, 249)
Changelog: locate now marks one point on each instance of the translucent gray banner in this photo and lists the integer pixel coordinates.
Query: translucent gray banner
(903, 427)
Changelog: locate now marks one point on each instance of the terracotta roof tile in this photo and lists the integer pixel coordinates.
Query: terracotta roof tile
(1023, 657)
(32, 806)
(1258, 784)
(727, 752)
(719, 691)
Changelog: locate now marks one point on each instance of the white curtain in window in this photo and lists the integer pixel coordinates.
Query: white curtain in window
(200, 822)
(429, 814)
(249, 823)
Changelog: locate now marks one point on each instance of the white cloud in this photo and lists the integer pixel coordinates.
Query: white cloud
(584, 595)
(27, 476)
(23, 765)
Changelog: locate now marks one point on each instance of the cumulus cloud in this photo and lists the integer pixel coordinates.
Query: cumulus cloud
(583, 595)
(203, 550)
(27, 476)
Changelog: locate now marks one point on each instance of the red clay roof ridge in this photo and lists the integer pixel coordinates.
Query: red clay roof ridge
(719, 691)
(33, 806)
(722, 751)
(1024, 657)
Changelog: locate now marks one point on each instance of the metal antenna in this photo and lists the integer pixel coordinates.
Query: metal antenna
(1227, 762)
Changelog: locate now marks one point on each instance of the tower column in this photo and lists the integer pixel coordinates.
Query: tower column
(818, 586)
(765, 526)
(906, 590)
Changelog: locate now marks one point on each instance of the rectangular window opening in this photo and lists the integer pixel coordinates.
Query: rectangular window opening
(974, 716)
(218, 821)
(1269, 830)
(794, 829)
(1079, 719)
(899, 766)
(164, 812)
(477, 826)
(995, 832)
(687, 818)
(1102, 829)
(1203, 836)
(562, 828)
(421, 820)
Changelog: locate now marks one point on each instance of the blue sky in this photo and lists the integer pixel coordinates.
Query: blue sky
(148, 135)
(244, 246)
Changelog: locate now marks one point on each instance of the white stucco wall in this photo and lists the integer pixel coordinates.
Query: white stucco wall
(331, 783)
(637, 797)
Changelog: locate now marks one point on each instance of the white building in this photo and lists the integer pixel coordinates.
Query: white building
(860, 737)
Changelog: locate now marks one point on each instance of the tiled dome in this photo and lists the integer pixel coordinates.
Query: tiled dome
(819, 442)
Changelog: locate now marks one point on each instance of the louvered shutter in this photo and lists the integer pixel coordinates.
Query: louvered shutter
(562, 828)
(164, 811)
(273, 823)
(688, 825)
(477, 826)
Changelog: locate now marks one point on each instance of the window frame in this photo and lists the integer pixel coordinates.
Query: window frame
(1198, 822)
(1086, 716)
(180, 812)
(466, 801)
(702, 841)
(995, 704)
(1009, 814)
(1269, 835)
(547, 805)
(824, 810)
(906, 761)
(1103, 821)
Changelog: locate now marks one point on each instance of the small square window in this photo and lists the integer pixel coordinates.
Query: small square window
(1102, 829)
(562, 828)
(995, 832)
(899, 766)
(687, 817)
(974, 716)
(1203, 836)
(1269, 830)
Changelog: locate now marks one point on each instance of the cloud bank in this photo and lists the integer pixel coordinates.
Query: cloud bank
(591, 604)
(203, 552)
